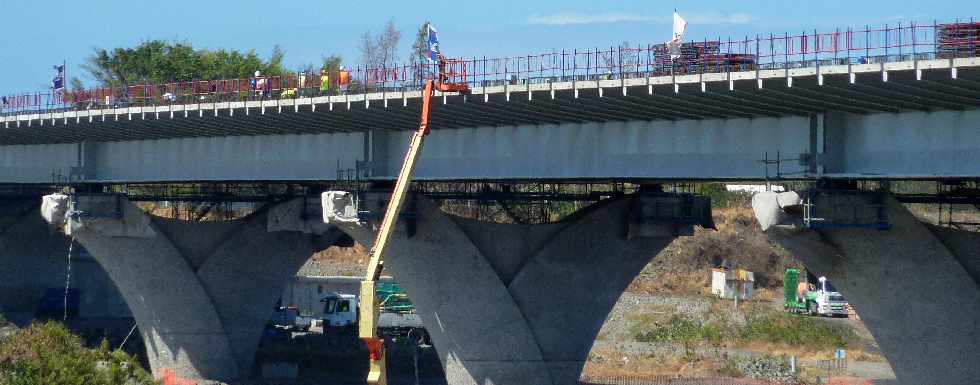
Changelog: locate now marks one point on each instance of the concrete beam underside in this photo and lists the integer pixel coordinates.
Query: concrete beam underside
(201, 292)
(916, 287)
(515, 304)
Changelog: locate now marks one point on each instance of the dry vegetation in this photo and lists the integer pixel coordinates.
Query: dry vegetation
(345, 261)
(683, 267)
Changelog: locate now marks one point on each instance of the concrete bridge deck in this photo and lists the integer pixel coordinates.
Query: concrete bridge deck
(900, 120)
(915, 85)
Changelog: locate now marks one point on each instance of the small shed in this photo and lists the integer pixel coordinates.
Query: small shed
(725, 283)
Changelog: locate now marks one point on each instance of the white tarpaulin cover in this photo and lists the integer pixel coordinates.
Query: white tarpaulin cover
(338, 207)
(769, 207)
(54, 208)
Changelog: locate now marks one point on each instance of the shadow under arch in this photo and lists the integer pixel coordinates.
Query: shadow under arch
(34, 260)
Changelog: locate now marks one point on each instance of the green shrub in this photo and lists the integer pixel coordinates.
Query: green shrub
(681, 329)
(763, 326)
(795, 329)
(48, 354)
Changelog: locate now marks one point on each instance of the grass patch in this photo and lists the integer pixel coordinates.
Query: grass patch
(772, 327)
(796, 330)
(681, 329)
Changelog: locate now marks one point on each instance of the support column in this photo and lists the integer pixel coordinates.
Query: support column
(515, 304)
(201, 292)
(915, 286)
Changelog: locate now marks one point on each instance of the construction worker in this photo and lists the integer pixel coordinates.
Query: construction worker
(343, 79)
(253, 83)
(324, 82)
(301, 84)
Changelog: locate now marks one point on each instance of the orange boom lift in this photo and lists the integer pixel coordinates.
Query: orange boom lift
(449, 71)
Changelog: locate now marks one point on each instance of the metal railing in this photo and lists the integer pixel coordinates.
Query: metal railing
(890, 43)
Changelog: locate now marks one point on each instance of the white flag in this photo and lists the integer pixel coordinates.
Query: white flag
(680, 25)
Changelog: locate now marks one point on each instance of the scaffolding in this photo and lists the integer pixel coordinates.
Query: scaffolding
(840, 209)
(957, 40)
(959, 205)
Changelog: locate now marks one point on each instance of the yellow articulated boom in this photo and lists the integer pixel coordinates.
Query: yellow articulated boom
(368, 318)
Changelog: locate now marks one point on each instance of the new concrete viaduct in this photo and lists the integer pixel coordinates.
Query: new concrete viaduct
(198, 291)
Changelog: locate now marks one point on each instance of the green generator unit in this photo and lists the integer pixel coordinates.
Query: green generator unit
(791, 280)
(393, 299)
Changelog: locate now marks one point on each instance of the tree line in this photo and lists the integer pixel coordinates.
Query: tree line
(159, 61)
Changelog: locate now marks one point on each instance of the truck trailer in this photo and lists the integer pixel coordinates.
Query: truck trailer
(341, 311)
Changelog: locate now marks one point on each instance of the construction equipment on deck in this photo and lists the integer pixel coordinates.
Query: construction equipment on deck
(449, 71)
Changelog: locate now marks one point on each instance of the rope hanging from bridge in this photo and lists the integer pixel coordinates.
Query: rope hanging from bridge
(71, 244)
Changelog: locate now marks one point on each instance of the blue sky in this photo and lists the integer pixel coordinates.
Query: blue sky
(39, 34)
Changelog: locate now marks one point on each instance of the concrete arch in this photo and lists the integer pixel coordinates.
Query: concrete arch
(180, 327)
(200, 292)
(515, 304)
(915, 286)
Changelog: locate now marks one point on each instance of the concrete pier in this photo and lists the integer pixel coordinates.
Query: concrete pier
(200, 292)
(515, 304)
(916, 286)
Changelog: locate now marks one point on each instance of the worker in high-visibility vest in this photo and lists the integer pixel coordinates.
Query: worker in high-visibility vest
(343, 79)
(324, 83)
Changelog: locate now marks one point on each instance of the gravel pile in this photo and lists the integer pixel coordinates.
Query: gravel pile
(766, 368)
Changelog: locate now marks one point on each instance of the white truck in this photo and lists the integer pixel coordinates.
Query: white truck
(341, 311)
(814, 299)
(829, 302)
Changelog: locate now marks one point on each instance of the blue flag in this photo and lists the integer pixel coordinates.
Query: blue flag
(58, 83)
(433, 44)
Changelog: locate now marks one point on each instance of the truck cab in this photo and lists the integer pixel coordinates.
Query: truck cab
(829, 301)
(339, 310)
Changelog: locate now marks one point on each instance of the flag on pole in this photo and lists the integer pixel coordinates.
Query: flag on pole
(58, 82)
(433, 41)
(680, 25)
